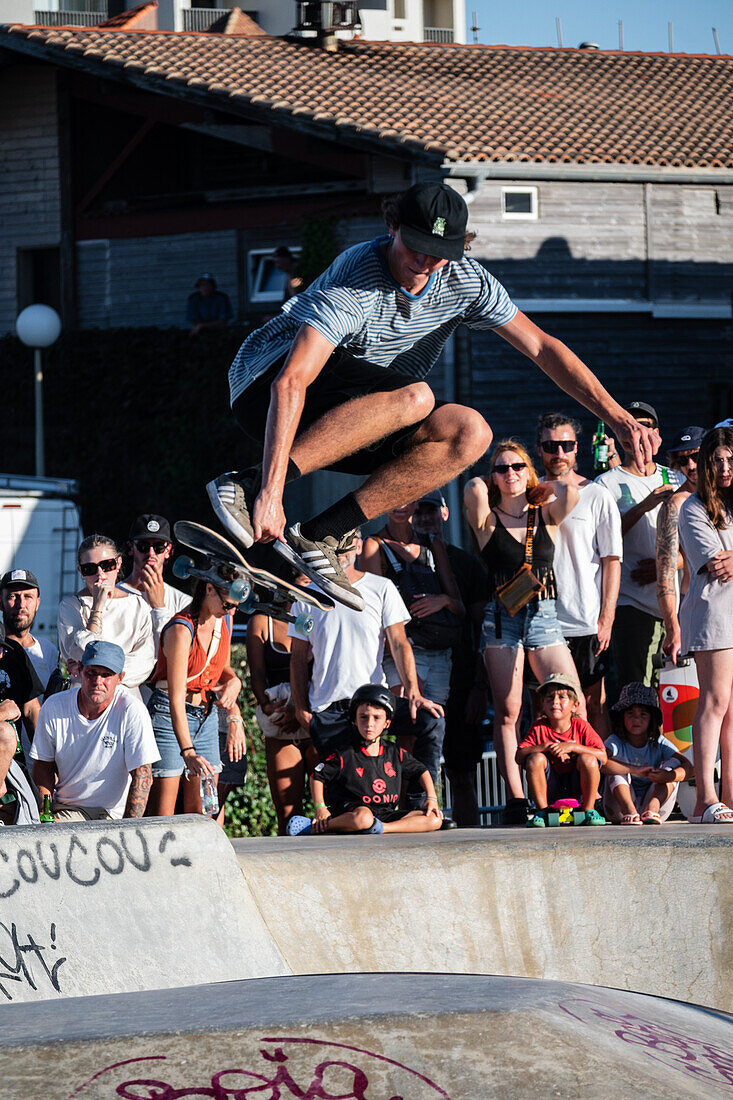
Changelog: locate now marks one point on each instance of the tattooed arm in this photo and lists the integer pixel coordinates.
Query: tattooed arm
(137, 796)
(668, 553)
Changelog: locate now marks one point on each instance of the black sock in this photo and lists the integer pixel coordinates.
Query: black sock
(341, 517)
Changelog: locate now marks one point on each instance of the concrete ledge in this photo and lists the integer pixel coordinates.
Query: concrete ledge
(130, 905)
(647, 909)
(417, 1037)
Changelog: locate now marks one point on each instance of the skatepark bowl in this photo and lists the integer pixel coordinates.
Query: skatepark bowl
(159, 960)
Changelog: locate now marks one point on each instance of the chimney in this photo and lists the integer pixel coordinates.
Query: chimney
(320, 20)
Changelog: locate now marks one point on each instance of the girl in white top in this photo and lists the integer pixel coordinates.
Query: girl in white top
(103, 610)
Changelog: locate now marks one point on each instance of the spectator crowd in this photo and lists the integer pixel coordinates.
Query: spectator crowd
(547, 640)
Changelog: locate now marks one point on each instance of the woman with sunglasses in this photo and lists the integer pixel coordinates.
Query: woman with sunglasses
(193, 672)
(498, 513)
(706, 622)
(101, 609)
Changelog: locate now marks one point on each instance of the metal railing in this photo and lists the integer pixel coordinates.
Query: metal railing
(70, 18)
(438, 34)
(200, 19)
(490, 789)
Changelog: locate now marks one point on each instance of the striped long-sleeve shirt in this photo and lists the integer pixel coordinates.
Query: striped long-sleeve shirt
(356, 304)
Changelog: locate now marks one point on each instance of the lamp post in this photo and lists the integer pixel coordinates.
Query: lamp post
(38, 327)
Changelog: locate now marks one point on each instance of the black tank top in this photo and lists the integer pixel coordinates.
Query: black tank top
(277, 662)
(504, 556)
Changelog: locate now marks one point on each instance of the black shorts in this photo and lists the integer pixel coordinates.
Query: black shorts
(342, 379)
(382, 813)
(590, 668)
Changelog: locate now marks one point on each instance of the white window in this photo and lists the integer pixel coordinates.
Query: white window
(265, 280)
(519, 204)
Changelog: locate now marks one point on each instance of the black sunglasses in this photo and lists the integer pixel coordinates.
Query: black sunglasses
(89, 568)
(505, 467)
(226, 603)
(143, 547)
(554, 446)
(685, 460)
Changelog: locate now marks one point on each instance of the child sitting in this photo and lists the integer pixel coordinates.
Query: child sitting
(644, 768)
(562, 753)
(363, 781)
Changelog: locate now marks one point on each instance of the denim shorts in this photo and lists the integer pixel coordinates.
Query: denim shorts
(433, 669)
(204, 729)
(534, 627)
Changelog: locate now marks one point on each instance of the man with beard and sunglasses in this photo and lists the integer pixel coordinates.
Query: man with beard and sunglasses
(588, 553)
(682, 456)
(150, 545)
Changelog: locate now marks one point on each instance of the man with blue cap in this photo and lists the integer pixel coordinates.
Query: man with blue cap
(94, 744)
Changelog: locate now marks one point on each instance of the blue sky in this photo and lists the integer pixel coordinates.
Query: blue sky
(532, 23)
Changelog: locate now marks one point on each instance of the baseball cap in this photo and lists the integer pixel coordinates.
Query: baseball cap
(642, 408)
(435, 497)
(19, 578)
(563, 680)
(206, 277)
(149, 526)
(688, 439)
(727, 423)
(433, 220)
(105, 654)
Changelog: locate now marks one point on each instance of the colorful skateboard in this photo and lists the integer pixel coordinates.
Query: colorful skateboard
(566, 811)
(254, 589)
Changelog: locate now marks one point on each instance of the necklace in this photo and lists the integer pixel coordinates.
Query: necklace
(514, 515)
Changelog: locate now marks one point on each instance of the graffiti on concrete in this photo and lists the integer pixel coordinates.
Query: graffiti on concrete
(693, 1057)
(24, 961)
(83, 859)
(325, 1071)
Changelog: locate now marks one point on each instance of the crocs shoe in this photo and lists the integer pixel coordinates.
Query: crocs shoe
(319, 561)
(377, 827)
(298, 825)
(232, 500)
(592, 817)
(537, 821)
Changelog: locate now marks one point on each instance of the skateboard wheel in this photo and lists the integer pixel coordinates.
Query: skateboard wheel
(304, 623)
(553, 819)
(240, 589)
(250, 604)
(182, 568)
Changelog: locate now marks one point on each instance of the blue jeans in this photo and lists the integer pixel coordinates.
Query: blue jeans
(203, 727)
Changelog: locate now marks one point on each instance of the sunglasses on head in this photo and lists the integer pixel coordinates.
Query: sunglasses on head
(143, 547)
(554, 446)
(505, 467)
(685, 460)
(89, 568)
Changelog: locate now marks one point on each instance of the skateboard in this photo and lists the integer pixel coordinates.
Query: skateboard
(254, 589)
(566, 811)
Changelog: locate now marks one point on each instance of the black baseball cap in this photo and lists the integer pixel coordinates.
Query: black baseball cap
(689, 439)
(433, 220)
(19, 578)
(435, 497)
(150, 526)
(641, 408)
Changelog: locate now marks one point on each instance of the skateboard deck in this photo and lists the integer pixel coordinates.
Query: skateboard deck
(566, 811)
(253, 588)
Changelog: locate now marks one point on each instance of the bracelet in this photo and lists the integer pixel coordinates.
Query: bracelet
(319, 805)
(188, 748)
(235, 719)
(431, 798)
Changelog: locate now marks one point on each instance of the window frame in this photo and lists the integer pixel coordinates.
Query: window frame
(256, 268)
(532, 215)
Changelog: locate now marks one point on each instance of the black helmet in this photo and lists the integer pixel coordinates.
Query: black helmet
(375, 694)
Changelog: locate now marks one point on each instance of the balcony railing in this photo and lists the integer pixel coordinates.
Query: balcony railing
(200, 19)
(438, 34)
(70, 18)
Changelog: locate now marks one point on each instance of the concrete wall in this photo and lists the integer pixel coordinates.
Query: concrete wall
(29, 174)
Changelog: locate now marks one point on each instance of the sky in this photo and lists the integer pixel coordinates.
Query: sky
(532, 23)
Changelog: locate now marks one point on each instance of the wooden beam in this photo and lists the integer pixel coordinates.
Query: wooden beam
(117, 163)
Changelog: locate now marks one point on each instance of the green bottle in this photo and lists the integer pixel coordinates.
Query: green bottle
(46, 815)
(665, 476)
(600, 449)
(18, 746)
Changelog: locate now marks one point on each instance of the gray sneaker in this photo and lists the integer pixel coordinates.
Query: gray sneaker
(232, 500)
(319, 561)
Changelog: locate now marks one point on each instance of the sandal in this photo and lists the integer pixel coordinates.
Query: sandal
(630, 819)
(717, 814)
(651, 817)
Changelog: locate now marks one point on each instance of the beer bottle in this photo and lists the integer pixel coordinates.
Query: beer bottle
(600, 449)
(46, 815)
(665, 476)
(18, 746)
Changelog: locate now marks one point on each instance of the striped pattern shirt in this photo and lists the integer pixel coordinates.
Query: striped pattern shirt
(356, 304)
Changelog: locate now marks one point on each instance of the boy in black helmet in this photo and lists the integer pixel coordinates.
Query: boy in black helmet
(364, 780)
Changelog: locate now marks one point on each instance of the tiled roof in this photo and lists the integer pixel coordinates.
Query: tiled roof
(142, 18)
(460, 103)
(238, 22)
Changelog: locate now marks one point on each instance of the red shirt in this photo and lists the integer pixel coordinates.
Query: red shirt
(580, 731)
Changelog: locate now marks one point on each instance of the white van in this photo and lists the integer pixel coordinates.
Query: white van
(40, 530)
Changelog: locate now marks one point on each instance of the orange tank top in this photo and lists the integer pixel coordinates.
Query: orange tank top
(204, 669)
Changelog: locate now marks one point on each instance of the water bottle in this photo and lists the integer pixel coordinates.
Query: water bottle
(600, 449)
(209, 796)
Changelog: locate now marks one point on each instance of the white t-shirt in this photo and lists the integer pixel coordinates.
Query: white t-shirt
(94, 758)
(44, 656)
(592, 531)
(640, 542)
(175, 601)
(348, 645)
(125, 621)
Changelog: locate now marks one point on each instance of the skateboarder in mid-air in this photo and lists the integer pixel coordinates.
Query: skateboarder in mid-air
(336, 382)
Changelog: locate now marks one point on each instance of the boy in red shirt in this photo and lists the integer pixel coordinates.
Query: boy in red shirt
(562, 753)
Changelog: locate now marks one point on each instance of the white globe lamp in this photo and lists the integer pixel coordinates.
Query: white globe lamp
(38, 327)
